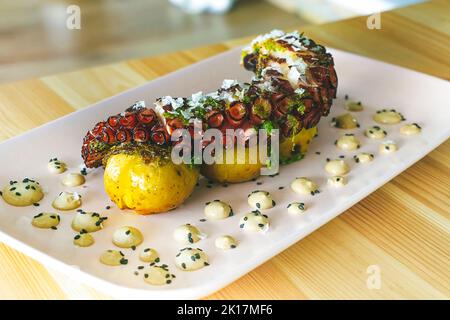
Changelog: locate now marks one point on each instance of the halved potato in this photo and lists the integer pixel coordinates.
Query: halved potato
(294, 148)
(291, 149)
(143, 178)
(238, 171)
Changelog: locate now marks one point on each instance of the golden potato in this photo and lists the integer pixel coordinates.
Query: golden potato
(143, 178)
(238, 171)
(292, 149)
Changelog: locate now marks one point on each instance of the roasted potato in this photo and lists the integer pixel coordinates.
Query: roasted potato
(238, 171)
(143, 178)
(293, 149)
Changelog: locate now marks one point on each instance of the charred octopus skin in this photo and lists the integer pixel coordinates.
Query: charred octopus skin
(293, 62)
(293, 87)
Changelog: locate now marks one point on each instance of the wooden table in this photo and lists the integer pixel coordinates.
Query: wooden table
(402, 228)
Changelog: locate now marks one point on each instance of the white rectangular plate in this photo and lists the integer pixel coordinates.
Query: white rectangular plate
(421, 98)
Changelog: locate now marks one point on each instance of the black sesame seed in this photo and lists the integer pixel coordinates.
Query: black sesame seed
(280, 188)
(140, 267)
(145, 275)
(54, 228)
(77, 237)
(183, 265)
(123, 261)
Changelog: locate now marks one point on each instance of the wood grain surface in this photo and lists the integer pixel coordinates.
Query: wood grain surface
(403, 227)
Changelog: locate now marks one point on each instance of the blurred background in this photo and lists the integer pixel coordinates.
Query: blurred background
(35, 41)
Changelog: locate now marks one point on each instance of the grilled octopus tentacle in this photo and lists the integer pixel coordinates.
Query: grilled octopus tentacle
(294, 85)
